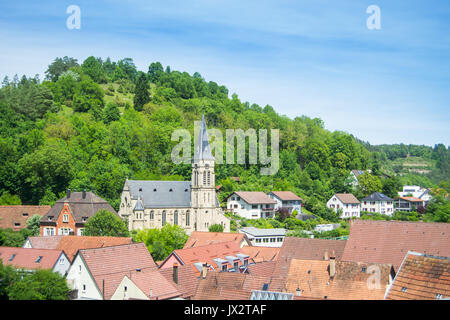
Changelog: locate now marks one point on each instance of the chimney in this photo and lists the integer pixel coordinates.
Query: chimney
(204, 270)
(175, 273)
(84, 193)
(68, 193)
(332, 265)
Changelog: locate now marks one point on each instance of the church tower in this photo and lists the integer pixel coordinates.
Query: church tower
(203, 191)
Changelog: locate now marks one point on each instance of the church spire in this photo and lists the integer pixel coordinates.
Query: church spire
(202, 148)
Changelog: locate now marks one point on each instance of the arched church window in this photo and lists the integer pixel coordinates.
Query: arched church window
(175, 217)
(152, 215)
(163, 217)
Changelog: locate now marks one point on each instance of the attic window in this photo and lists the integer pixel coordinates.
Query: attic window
(265, 286)
(170, 190)
(363, 269)
(185, 190)
(12, 257)
(39, 259)
(16, 224)
(438, 296)
(138, 270)
(50, 218)
(25, 214)
(140, 189)
(404, 289)
(84, 218)
(125, 288)
(154, 190)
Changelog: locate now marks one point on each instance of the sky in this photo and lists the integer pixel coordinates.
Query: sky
(305, 57)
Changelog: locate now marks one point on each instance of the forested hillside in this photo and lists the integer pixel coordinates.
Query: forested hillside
(91, 125)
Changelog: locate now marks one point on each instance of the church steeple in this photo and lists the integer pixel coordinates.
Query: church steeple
(202, 148)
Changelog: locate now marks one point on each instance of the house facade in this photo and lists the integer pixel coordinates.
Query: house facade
(193, 205)
(265, 237)
(347, 202)
(378, 202)
(423, 194)
(287, 200)
(251, 204)
(408, 204)
(69, 215)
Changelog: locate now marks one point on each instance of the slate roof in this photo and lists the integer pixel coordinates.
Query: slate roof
(157, 194)
(187, 280)
(228, 286)
(71, 244)
(79, 207)
(258, 232)
(12, 215)
(389, 241)
(286, 195)
(202, 148)
(261, 254)
(152, 281)
(347, 198)
(421, 277)
(349, 283)
(111, 264)
(377, 196)
(254, 197)
(202, 238)
(27, 258)
(303, 249)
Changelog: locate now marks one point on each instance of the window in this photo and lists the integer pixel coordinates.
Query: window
(438, 296)
(209, 178)
(80, 267)
(84, 287)
(175, 217)
(272, 239)
(188, 218)
(204, 178)
(12, 257)
(152, 215)
(254, 206)
(404, 289)
(236, 266)
(125, 288)
(265, 240)
(280, 239)
(258, 240)
(25, 214)
(245, 262)
(65, 218)
(363, 269)
(39, 259)
(16, 224)
(224, 267)
(164, 217)
(61, 261)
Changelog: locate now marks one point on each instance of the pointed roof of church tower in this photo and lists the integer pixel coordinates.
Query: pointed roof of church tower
(202, 148)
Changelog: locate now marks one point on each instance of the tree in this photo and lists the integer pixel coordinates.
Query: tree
(111, 113)
(141, 94)
(369, 184)
(154, 71)
(93, 68)
(161, 243)
(34, 224)
(59, 66)
(105, 223)
(7, 277)
(39, 285)
(8, 199)
(216, 228)
(88, 96)
(391, 186)
(438, 209)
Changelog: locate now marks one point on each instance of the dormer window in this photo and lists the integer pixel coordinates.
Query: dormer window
(12, 257)
(170, 190)
(154, 190)
(50, 218)
(140, 189)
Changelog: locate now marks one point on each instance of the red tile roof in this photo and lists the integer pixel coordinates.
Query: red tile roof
(111, 264)
(260, 254)
(27, 258)
(304, 249)
(347, 198)
(228, 286)
(255, 197)
(410, 199)
(187, 280)
(286, 195)
(263, 269)
(203, 254)
(202, 238)
(154, 285)
(389, 241)
(12, 215)
(71, 244)
(349, 283)
(421, 277)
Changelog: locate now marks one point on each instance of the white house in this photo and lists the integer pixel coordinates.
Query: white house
(351, 207)
(378, 202)
(265, 237)
(96, 273)
(326, 227)
(423, 194)
(288, 200)
(251, 204)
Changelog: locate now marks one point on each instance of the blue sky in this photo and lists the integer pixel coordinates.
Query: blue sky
(313, 57)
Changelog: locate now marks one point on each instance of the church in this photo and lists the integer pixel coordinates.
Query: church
(193, 205)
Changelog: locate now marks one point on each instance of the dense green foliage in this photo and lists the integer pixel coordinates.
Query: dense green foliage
(104, 223)
(90, 126)
(161, 242)
(216, 228)
(38, 285)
